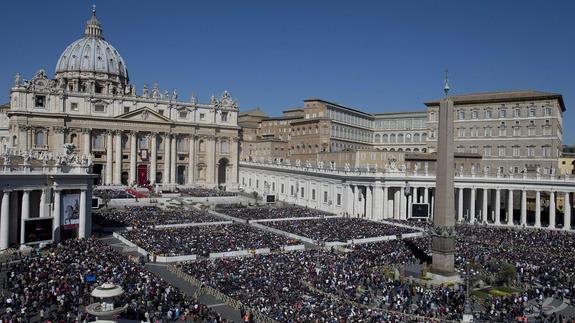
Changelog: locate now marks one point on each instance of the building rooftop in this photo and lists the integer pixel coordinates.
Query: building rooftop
(339, 106)
(502, 96)
(253, 112)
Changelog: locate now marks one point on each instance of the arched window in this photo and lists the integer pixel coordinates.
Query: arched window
(124, 141)
(40, 138)
(392, 138)
(400, 138)
(377, 138)
(181, 144)
(202, 146)
(416, 137)
(98, 141)
(74, 139)
(385, 138)
(142, 142)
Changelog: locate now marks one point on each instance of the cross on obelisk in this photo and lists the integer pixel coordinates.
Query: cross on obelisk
(443, 236)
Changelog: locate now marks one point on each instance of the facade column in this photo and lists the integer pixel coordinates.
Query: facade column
(5, 220)
(566, 212)
(426, 195)
(173, 159)
(349, 199)
(211, 160)
(460, 205)
(523, 207)
(472, 206)
(402, 203)
(191, 161)
(356, 202)
(118, 159)
(42, 210)
(498, 206)
(25, 214)
(485, 211)
(415, 194)
(396, 205)
(368, 202)
(82, 226)
(109, 156)
(87, 141)
(56, 215)
(167, 154)
(133, 147)
(510, 207)
(538, 209)
(409, 206)
(235, 158)
(154, 156)
(377, 208)
(552, 207)
(385, 214)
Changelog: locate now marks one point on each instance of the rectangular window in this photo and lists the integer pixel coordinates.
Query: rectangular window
(502, 132)
(546, 151)
(474, 149)
(501, 151)
(302, 192)
(461, 115)
(202, 116)
(161, 111)
(547, 111)
(530, 151)
(502, 113)
(325, 197)
(313, 194)
(516, 151)
(74, 106)
(183, 114)
(282, 189)
(516, 131)
(338, 199)
(488, 114)
(273, 187)
(474, 114)
(487, 132)
(531, 131)
(224, 117)
(487, 151)
(126, 109)
(292, 190)
(99, 108)
(40, 101)
(257, 183)
(516, 113)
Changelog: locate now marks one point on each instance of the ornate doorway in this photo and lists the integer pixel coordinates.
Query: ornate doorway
(142, 175)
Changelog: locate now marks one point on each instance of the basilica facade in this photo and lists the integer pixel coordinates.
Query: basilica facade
(133, 138)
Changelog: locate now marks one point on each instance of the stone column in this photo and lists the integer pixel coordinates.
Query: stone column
(368, 202)
(82, 226)
(356, 201)
(191, 161)
(498, 206)
(460, 205)
(57, 140)
(25, 214)
(133, 148)
(377, 208)
(552, 210)
(523, 207)
(234, 159)
(211, 160)
(472, 206)
(409, 206)
(173, 159)
(396, 205)
(349, 199)
(567, 212)
(385, 214)
(118, 159)
(42, 211)
(538, 209)
(87, 141)
(5, 220)
(56, 214)
(426, 195)
(167, 155)
(153, 157)
(510, 207)
(484, 210)
(109, 156)
(402, 203)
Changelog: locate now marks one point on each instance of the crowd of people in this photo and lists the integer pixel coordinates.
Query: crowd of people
(54, 287)
(137, 216)
(204, 192)
(338, 229)
(260, 213)
(205, 239)
(112, 193)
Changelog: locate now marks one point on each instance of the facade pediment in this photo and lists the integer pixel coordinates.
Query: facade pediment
(146, 115)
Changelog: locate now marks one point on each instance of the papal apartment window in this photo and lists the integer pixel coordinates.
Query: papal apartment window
(40, 101)
(474, 114)
(516, 113)
(488, 114)
(461, 115)
(532, 112)
(100, 108)
(224, 117)
(74, 106)
(502, 113)
(547, 111)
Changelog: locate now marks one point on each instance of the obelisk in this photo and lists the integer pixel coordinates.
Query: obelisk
(443, 234)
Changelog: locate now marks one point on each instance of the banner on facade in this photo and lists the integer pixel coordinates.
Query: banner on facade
(71, 208)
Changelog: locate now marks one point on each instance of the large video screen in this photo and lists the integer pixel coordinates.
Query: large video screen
(39, 229)
(270, 198)
(420, 210)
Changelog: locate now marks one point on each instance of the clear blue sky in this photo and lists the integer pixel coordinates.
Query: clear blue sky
(378, 56)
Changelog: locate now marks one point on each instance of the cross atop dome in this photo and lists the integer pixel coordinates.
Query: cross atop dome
(93, 26)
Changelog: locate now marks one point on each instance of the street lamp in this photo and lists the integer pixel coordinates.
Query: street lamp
(407, 193)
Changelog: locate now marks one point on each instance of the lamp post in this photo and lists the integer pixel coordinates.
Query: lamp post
(407, 193)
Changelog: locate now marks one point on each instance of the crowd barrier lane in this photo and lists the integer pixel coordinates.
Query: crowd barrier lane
(412, 235)
(372, 239)
(221, 297)
(411, 317)
(296, 218)
(283, 233)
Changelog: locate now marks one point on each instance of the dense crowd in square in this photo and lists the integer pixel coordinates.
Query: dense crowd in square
(260, 213)
(338, 229)
(204, 192)
(52, 287)
(150, 216)
(204, 239)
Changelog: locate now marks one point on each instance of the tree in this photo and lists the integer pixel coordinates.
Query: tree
(506, 274)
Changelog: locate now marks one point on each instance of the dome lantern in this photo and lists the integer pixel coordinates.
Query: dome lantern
(93, 26)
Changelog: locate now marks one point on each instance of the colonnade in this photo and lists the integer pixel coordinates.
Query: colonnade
(17, 207)
(486, 200)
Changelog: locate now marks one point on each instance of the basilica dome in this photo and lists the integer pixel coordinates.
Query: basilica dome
(92, 57)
